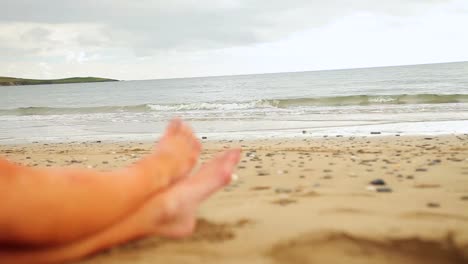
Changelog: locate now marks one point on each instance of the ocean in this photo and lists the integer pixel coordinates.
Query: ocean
(430, 99)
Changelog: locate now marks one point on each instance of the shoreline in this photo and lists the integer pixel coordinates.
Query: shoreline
(275, 135)
(306, 200)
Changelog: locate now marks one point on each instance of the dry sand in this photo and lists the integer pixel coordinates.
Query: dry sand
(307, 201)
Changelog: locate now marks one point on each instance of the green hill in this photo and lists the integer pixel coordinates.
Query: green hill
(18, 81)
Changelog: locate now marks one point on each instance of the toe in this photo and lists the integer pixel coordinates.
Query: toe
(211, 177)
(186, 131)
(191, 140)
(174, 126)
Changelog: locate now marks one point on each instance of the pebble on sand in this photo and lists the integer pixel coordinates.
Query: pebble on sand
(378, 189)
(377, 182)
(375, 133)
(383, 189)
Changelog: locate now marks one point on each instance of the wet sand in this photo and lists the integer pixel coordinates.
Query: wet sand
(319, 200)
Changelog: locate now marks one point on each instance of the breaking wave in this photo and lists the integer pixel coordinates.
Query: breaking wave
(352, 100)
(372, 100)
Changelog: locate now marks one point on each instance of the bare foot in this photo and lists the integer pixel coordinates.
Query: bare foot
(177, 150)
(182, 201)
(169, 213)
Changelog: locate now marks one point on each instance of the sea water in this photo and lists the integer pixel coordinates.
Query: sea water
(425, 99)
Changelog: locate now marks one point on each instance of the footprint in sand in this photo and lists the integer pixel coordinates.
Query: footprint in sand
(206, 231)
(337, 247)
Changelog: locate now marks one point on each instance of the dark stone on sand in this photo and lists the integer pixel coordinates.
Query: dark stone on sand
(377, 182)
(464, 198)
(105, 162)
(433, 205)
(204, 137)
(421, 169)
(383, 189)
(99, 141)
(303, 131)
(375, 133)
(397, 135)
(262, 174)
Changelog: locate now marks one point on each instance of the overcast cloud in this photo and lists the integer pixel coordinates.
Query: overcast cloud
(162, 39)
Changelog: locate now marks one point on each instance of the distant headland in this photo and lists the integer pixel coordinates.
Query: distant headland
(8, 81)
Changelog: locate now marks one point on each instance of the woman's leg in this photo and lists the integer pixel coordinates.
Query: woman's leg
(169, 213)
(52, 206)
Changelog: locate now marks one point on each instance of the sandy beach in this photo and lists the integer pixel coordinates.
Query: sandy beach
(376, 199)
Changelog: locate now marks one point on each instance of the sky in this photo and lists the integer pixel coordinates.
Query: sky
(151, 39)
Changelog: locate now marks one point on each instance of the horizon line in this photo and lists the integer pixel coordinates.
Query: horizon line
(245, 74)
(266, 73)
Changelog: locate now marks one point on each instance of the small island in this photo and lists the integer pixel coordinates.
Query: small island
(8, 81)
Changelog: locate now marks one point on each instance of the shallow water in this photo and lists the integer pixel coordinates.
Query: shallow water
(421, 99)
